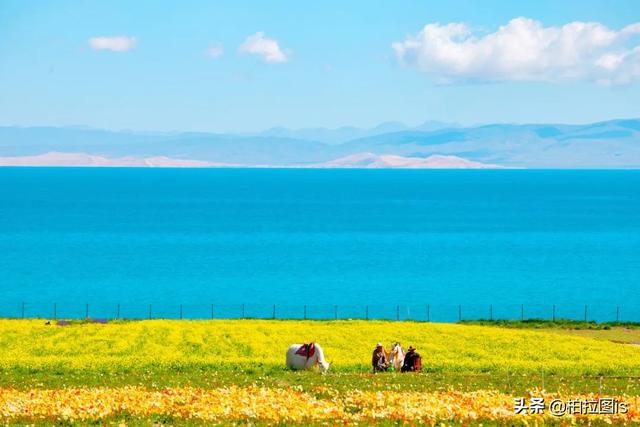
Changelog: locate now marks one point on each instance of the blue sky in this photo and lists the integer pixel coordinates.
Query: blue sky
(146, 65)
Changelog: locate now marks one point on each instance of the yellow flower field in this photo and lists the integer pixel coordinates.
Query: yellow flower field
(348, 344)
(271, 405)
(168, 356)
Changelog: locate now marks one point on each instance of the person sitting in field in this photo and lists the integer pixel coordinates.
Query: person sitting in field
(412, 361)
(379, 359)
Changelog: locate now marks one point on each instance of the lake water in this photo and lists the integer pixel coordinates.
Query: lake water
(345, 243)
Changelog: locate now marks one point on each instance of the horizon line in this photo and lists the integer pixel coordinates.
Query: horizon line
(449, 125)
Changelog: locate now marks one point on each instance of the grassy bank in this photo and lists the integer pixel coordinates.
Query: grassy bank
(222, 352)
(108, 373)
(554, 324)
(286, 406)
(248, 344)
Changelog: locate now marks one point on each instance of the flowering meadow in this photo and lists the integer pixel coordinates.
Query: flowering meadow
(277, 406)
(348, 344)
(232, 371)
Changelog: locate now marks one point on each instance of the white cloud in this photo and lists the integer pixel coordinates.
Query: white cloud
(115, 44)
(215, 50)
(524, 49)
(268, 49)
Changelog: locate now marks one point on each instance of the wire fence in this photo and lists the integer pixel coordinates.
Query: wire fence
(415, 312)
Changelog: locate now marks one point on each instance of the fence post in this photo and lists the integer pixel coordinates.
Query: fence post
(274, 312)
(428, 312)
(22, 310)
(180, 311)
(366, 312)
(86, 311)
(554, 313)
(459, 313)
(585, 312)
(118, 311)
(397, 313)
(335, 312)
(491, 312)
(211, 311)
(617, 313)
(243, 311)
(149, 311)
(305, 312)
(521, 312)
(600, 386)
(55, 311)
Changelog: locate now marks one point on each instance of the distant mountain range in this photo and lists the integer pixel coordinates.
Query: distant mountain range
(610, 144)
(344, 134)
(361, 161)
(392, 161)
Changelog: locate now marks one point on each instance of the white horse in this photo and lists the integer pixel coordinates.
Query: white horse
(396, 356)
(299, 362)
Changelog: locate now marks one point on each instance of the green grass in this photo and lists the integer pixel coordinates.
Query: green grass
(553, 324)
(514, 383)
(617, 332)
(471, 339)
(498, 357)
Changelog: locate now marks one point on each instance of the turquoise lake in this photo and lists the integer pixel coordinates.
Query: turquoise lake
(436, 244)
